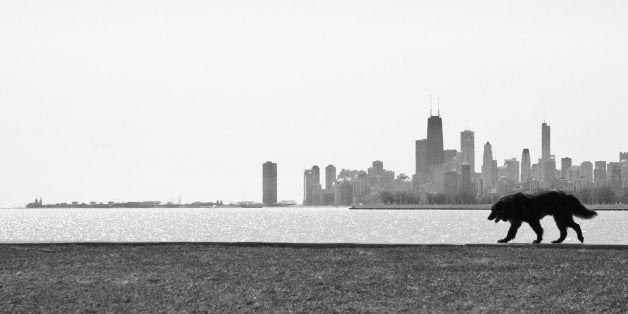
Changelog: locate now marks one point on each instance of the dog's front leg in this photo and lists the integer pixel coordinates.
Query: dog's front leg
(536, 226)
(512, 232)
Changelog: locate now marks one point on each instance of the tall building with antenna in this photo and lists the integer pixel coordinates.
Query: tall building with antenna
(545, 141)
(435, 153)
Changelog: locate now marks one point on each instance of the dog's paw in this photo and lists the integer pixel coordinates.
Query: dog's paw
(536, 241)
(581, 239)
(557, 241)
(503, 241)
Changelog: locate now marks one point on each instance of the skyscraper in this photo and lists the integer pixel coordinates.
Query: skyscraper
(549, 173)
(308, 182)
(525, 165)
(316, 172)
(487, 166)
(312, 190)
(378, 167)
(435, 155)
(599, 173)
(465, 178)
(587, 170)
(330, 176)
(269, 183)
(448, 158)
(565, 165)
(613, 173)
(488, 154)
(623, 156)
(451, 184)
(420, 155)
(467, 147)
(545, 141)
(512, 170)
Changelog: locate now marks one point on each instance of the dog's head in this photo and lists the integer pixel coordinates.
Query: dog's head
(498, 212)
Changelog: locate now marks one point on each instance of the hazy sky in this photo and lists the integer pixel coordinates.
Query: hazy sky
(148, 100)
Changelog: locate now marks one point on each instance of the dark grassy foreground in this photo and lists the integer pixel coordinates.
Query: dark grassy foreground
(177, 277)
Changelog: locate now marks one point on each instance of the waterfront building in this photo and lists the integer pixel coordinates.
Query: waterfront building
(449, 155)
(269, 183)
(512, 170)
(402, 184)
(525, 165)
(502, 173)
(451, 183)
(378, 168)
(465, 179)
(565, 164)
(316, 173)
(346, 173)
(312, 189)
(504, 187)
(387, 179)
(624, 175)
(580, 183)
(534, 184)
(359, 187)
(494, 173)
(599, 173)
(467, 148)
(420, 155)
(535, 171)
(343, 192)
(487, 166)
(439, 179)
(586, 167)
(435, 154)
(549, 173)
(308, 182)
(599, 176)
(614, 176)
(458, 162)
(330, 176)
(574, 173)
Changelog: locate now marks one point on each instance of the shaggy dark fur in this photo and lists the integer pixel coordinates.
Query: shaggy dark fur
(520, 207)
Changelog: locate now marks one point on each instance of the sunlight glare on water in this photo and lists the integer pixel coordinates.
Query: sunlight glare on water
(298, 224)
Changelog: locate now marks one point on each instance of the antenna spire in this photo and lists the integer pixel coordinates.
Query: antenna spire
(430, 103)
(438, 101)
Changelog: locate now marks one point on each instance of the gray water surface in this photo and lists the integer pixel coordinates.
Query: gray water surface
(298, 224)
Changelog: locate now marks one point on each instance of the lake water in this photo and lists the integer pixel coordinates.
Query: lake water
(304, 225)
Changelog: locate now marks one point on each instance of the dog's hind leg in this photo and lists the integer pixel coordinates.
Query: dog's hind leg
(563, 231)
(512, 232)
(576, 227)
(536, 226)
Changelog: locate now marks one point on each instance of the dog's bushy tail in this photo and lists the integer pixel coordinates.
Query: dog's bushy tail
(580, 210)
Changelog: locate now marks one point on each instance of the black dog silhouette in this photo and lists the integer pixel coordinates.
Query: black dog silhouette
(521, 207)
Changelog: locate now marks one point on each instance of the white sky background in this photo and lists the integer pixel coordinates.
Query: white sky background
(148, 100)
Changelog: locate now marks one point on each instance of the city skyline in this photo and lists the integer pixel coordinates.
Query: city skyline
(447, 176)
(119, 101)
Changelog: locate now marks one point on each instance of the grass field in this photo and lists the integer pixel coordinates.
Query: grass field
(210, 277)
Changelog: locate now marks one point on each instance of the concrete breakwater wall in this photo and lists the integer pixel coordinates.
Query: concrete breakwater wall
(615, 207)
